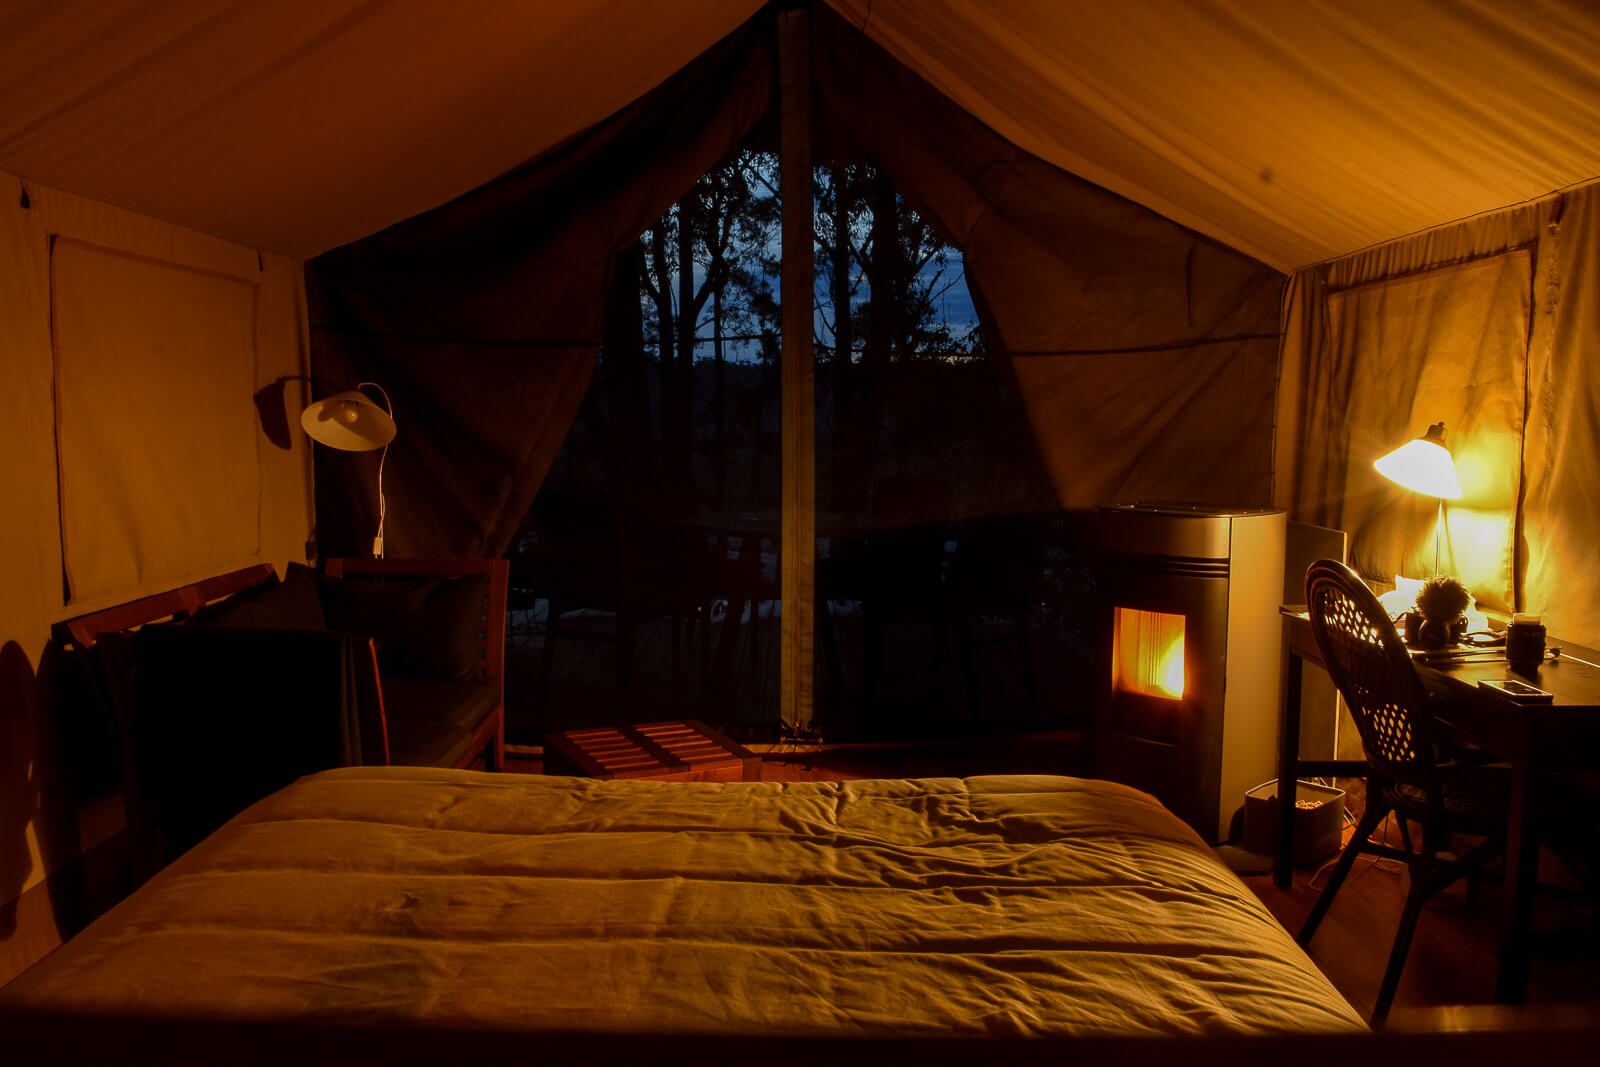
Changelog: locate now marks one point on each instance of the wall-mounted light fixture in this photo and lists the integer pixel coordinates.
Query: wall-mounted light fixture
(352, 421)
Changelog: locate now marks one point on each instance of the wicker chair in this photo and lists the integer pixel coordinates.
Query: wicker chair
(1369, 664)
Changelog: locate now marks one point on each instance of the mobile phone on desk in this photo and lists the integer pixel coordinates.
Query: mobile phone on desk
(1520, 691)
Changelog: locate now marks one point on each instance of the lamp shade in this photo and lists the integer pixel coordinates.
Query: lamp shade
(348, 421)
(1423, 465)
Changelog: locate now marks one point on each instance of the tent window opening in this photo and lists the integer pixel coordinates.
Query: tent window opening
(657, 529)
(942, 558)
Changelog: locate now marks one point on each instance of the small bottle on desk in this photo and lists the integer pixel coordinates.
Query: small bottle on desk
(1525, 643)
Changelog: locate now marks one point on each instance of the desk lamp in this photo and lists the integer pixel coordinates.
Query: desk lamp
(1423, 465)
(352, 422)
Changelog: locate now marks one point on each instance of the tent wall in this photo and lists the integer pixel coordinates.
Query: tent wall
(1145, 353)
(136, 345)
(302, 125)
(482, 318)
(1484, 324)
(1289, 131)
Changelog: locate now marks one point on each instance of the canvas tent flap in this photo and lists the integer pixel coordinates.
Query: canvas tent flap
(1138, 345)
(1294, 132)
(1487, 326)
(482, 319)
(1289, 131)
(301, 125)
(1562, 497)
(1144, 352)
(1444, 345)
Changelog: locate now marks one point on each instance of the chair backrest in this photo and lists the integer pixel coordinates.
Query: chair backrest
(492, 637)
(1368, 662)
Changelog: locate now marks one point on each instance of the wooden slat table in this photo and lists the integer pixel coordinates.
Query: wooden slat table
(678, 751)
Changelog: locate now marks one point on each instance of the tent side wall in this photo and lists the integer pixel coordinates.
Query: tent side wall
(1490, 326)
(134, 345)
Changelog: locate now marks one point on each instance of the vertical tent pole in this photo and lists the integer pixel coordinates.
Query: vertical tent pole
(798, 370)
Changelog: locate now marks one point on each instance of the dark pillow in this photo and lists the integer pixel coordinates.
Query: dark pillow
(292, 604)
(425, 627)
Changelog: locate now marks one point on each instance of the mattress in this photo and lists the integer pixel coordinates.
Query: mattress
(999, 905)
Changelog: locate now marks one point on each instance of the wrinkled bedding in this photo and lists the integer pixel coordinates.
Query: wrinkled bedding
(992, 905)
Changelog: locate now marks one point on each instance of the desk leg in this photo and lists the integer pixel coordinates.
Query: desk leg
(1521, 878)
(1288, 770)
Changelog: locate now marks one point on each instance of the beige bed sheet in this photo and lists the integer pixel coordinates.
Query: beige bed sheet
(997, 905)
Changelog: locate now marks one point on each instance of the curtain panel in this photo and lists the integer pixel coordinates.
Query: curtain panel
(482, 319)
(158, 459)
(1483, 325)
(1145, 353)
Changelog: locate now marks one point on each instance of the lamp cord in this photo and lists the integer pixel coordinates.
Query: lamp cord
(383, 456)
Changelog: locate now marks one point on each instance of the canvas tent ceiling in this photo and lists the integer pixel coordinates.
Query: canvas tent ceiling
(1293, 132)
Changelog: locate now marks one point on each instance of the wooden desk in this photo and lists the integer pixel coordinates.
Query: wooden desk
(1533, 738)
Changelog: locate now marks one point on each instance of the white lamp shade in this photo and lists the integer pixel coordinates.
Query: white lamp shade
(1423, 465)
(348, 421)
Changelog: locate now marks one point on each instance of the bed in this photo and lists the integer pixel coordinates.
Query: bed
(986, 906)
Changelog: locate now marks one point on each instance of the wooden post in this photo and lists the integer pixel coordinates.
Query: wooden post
(798, 372)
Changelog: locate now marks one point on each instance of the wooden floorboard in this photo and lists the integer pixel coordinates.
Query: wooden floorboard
(1452, 956)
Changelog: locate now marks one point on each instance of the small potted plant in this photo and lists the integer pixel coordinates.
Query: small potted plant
(1442, 603)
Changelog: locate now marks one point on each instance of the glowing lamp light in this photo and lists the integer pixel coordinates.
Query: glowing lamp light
(1148, 653)
(1423, 465)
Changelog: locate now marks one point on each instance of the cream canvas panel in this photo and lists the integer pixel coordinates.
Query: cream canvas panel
(301, 125)
(1446, 345)
(155, 429)
(1293, 132)
(1562, 521)
(1183, 424)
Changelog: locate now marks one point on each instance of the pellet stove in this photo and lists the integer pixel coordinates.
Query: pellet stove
(1190, 654)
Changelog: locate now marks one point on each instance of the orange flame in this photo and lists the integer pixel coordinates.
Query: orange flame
(1147, 653)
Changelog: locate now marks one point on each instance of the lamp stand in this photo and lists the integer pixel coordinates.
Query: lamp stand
(1439, 533)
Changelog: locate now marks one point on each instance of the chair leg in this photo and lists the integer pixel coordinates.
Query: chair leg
(495, 757)
(1370, 819)
(1421, 877)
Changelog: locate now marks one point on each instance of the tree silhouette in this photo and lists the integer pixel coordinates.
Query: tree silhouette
(706, 273)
